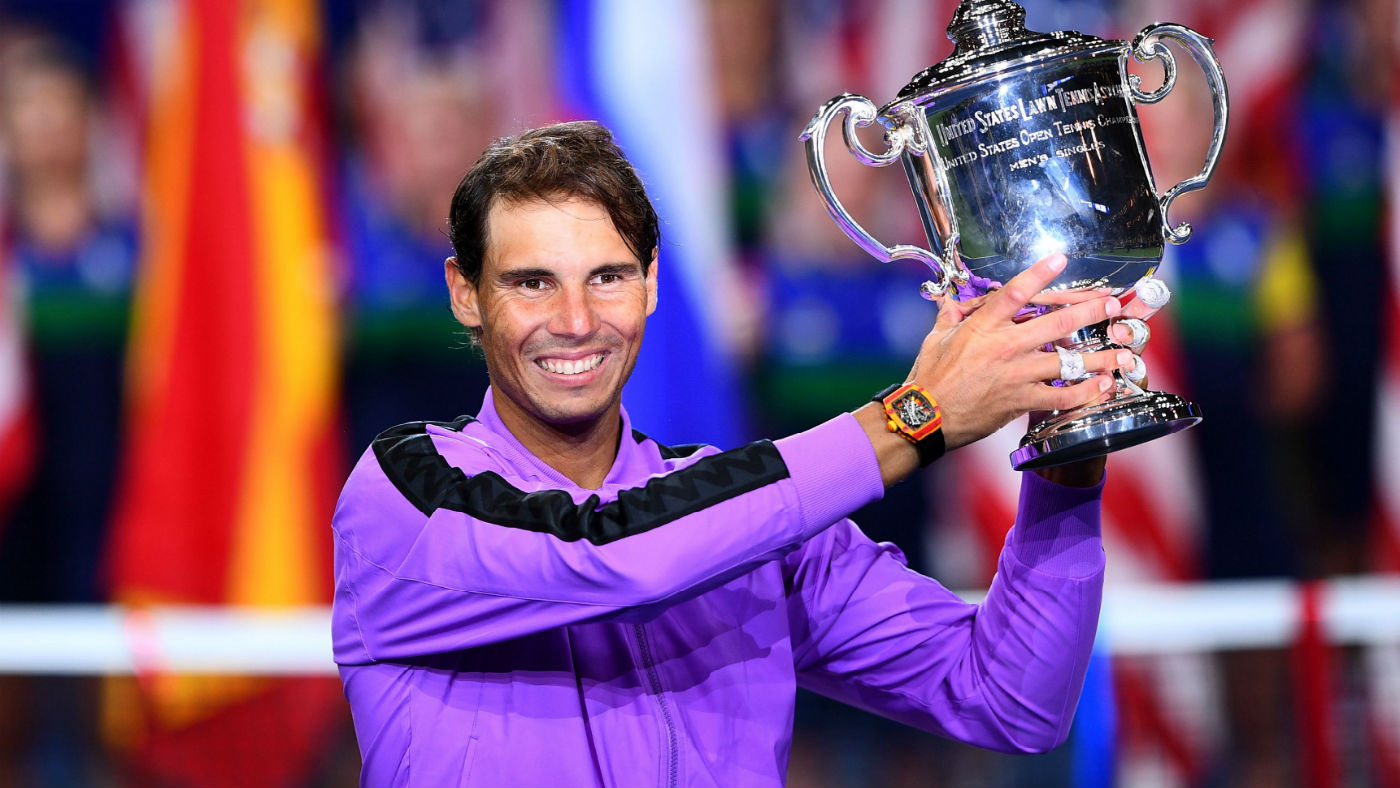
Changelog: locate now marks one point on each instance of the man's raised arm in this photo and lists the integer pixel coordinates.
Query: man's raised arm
(435, 555)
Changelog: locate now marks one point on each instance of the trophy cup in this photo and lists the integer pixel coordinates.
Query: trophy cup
(1020, 144)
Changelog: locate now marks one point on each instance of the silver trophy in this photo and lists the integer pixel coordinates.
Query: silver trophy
(1021, 144)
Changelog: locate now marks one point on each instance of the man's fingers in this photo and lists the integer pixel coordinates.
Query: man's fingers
(1065, 321)
(1089, 390)
(1006, 302)
(1045, 365)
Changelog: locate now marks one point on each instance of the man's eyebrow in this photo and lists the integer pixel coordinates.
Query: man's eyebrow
(616, 268)
(526, 273)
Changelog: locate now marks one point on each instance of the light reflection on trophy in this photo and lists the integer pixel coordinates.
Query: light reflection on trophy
(1021, 144)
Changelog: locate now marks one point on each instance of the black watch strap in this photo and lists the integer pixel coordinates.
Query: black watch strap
(879, 398)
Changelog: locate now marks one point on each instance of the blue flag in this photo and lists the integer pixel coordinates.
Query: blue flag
(638, 67)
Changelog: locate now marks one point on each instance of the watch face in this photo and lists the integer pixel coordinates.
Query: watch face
(913, 410)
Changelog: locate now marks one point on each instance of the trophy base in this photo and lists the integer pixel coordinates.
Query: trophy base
(1096, 430)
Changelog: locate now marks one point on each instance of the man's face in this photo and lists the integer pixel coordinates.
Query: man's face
(561, 305)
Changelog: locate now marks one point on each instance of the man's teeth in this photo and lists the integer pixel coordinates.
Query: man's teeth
(562, 367)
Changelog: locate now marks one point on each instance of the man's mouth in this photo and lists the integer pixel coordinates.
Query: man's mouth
(561, 366)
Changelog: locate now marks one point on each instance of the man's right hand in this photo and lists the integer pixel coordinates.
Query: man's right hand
(985, 369)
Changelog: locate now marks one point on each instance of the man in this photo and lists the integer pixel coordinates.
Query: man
(542, 595)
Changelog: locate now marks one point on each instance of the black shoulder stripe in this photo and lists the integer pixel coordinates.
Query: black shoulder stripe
(418, 478)
(424, 477)
(669, 452)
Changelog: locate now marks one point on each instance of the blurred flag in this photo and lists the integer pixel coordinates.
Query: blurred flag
(640, 68)
(229, 477)
(16, 425)
(1385, 675)
(1388, 417)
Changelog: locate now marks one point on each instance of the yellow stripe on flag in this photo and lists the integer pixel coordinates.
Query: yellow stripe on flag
(295, 387)
(169, 154)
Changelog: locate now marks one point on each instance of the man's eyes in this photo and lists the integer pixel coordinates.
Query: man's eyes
(536, 283)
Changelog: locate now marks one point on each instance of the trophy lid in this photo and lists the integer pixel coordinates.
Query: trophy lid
(991, 36)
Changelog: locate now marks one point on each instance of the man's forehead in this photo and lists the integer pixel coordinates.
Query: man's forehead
(575, 205)
(535, 231)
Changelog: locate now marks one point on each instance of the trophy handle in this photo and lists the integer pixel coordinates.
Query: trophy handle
(861, 112)
(1148, 46)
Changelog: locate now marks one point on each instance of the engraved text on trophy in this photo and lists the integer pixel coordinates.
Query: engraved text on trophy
(1050, 162)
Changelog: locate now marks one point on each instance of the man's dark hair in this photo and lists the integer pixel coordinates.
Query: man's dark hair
(551, 163)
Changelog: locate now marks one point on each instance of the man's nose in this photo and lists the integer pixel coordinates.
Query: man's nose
(575, 315)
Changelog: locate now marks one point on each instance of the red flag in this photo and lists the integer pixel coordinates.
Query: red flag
(228, 483)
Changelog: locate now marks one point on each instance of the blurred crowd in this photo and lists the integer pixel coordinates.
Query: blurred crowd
(1277, 328)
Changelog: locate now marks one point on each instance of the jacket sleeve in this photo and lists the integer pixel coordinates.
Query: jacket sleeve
(1003, 674)
(430, 559)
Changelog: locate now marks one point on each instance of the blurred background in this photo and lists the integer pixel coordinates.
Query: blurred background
(222, 226)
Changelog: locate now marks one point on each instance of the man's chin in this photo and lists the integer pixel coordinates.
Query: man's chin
(572, 416)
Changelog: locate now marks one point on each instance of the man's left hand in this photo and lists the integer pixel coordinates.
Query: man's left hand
(1088, 473)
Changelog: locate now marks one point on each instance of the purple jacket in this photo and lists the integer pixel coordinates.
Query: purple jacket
(496, 625)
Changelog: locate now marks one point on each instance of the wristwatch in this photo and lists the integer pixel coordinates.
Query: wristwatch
(914, 414)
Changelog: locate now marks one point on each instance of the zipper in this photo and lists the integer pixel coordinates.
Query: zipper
(673, 755)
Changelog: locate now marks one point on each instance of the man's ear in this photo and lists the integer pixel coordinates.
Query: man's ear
(651, 283)
(462, 293)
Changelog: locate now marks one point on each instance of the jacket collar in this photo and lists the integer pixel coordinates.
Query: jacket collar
(629, 462)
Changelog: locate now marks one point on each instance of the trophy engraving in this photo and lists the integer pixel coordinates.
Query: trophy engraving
(1020, 144)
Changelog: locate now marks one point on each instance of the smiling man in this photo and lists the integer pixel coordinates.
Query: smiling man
(543, 595)
(566, 300)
